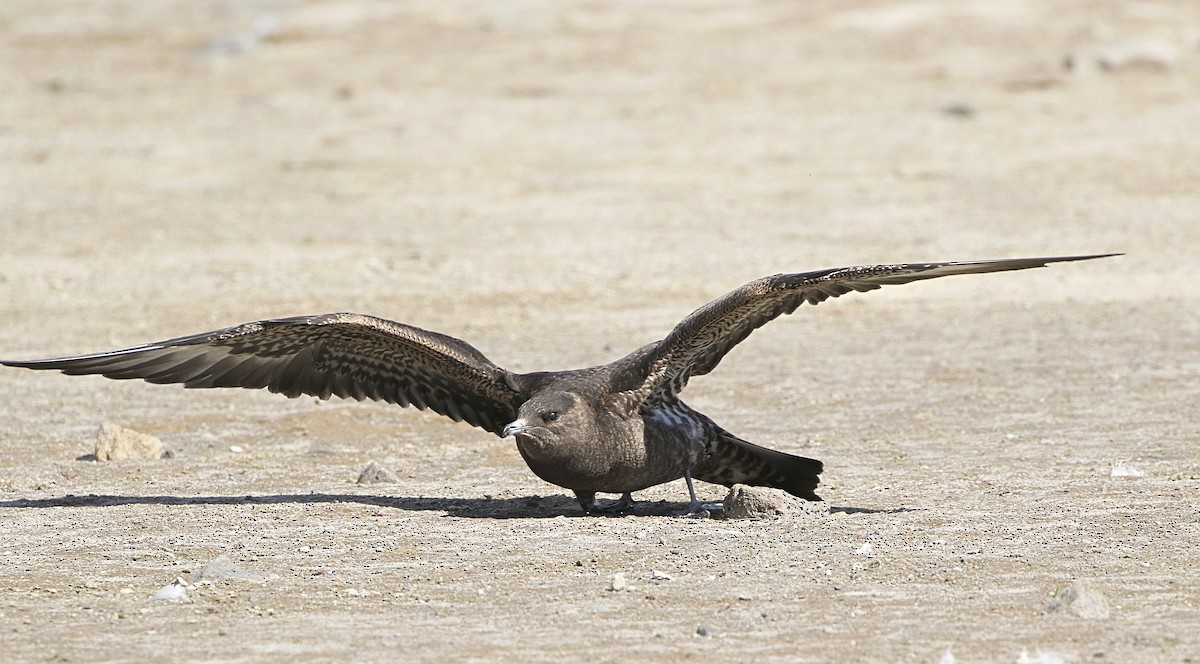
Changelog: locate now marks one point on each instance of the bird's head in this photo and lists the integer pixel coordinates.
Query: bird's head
(548, 417)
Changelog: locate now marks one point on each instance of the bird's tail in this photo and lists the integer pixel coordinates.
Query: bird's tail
(732, 460)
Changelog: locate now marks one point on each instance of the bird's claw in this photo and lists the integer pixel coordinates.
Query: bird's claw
(699, 510)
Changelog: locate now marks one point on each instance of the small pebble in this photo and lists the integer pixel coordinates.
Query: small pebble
(377, 474)
(1039, 657)
(617, 584)
(656, 575)
(176, 591)
(959, 110)
(1080, 599)
(222, 568)
(705, 631)
(1122, 469)
(1147, 55)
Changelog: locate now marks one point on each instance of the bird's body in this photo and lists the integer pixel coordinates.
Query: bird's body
(614, 428)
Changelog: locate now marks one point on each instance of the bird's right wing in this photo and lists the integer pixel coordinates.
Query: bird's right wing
(346, 355)
(698, 342)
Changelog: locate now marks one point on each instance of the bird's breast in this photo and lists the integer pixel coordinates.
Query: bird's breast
(617, 456)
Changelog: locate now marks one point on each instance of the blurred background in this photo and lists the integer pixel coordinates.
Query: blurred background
(211, 162)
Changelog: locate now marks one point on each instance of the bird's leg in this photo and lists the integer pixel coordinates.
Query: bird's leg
(696, 509)
(587, 500)
(625, 502)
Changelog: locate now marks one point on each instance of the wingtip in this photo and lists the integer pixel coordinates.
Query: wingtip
(1087, 257)
(1046, 260)
(47, 363)
(1070, 259)
(1003, 264)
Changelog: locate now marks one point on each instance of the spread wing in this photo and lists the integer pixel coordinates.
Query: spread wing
(698, 342)
(347, 355)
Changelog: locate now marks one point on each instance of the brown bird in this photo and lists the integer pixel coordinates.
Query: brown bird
(614, 428)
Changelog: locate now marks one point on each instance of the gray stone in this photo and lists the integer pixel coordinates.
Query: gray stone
(377, 474)
(114, 442)
(1080, 599)
(223, 569)
(959, 110)
(756, 502)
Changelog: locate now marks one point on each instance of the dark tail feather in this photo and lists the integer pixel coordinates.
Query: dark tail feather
(735, 461)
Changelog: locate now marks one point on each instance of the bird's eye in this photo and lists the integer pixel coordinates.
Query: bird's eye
(551, 416)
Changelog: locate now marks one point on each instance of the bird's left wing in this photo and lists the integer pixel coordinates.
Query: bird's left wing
(347, 355)
(698, 342)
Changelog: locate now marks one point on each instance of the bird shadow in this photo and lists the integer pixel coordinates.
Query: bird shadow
(519, 507)
(871, 510)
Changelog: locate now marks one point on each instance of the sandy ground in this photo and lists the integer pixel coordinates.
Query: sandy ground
(559, 183)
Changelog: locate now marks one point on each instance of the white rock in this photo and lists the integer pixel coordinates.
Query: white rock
(1122, 469)
(864, 550)
(114, 442)
(617, 583)
(176, 591)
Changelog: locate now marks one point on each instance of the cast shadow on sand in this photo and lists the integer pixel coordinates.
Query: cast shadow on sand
(520, 507)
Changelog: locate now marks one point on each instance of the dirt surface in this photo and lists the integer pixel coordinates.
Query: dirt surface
(559, 183)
